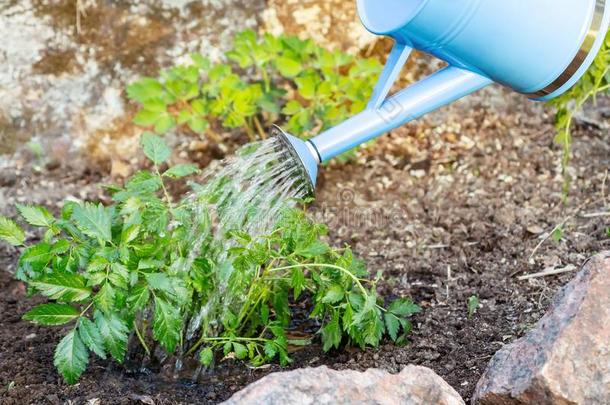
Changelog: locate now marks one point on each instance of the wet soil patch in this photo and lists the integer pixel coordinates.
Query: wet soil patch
(449, 208)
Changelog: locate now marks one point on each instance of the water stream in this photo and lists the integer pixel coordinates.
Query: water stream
(247, 193)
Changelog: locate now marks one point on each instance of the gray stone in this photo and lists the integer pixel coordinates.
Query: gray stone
(321, 385)
(565, 359)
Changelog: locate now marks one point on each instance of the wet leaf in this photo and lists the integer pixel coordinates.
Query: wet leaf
(71, 357)
(52, 314)
(10, 232)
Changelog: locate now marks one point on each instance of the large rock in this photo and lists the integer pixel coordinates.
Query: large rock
(63, 87)
(414, 385)
(566, 358)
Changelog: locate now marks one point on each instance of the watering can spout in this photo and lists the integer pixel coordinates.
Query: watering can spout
(383, 115)
(540, 49)
(302, 152)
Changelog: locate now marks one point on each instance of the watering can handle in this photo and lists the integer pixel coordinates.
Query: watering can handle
(396, 60)
(386, 113)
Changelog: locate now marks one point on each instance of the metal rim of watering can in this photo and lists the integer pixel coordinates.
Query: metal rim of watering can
(581, 55)
(278, 132)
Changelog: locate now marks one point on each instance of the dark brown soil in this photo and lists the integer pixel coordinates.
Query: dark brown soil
(448, 208)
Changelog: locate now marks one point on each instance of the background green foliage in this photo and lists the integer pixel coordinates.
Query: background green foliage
(595, 81)
(126, 270)
(293, 81)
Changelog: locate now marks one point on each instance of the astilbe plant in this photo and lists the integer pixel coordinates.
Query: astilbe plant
(267, 79)
(120, 273)
(595, 81)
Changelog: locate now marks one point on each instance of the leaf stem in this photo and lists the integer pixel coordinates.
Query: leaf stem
(330, 266)
(85, 310)
(165, 193)
(249, 131)
(141, 338)
(259, 128)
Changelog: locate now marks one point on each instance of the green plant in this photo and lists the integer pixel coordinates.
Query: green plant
(595, 81)
(608, 232)
(557, 234)
(268, 79)
(473, 305)
(126, 270)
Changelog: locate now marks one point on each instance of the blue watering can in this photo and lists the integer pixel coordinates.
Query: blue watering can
(539, 48)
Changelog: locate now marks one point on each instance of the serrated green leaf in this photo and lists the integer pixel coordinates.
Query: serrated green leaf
(143, 183)
(10, 232)
(198, 124)
(334, 294)
(36, 216)
(164, 124)
(62, 286)
(104, 299)
(292, 108)
(270, 350)
(241, 351)
(71, 357)
(167, 325)
(159, 281)
(307, 86)
(60, 247)
(98, 263)
(114, 332)
(206, 356)
(297, 282)
(93, 220)
(138, 298)
(314, 249)
(288, 67)
(264, 313)
(183, 116)
(129, 234)
(147, 118)
(144, 89)
(331, 333)
(403, 308)
(392, 325)
(199, 107)
(119, 275)
(155, 148)
(38, 256)
(91, 337)
(52, 314)
(156, 105)
(226, 348)
(182, 170)
(373, 331)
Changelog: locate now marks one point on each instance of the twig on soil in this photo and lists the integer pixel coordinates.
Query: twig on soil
(596, 214)
(439, 246)
(443, 246)
(549, 272)
(603, 190)
(449, 279)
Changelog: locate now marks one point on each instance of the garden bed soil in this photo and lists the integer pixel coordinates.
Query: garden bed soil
(445, 211)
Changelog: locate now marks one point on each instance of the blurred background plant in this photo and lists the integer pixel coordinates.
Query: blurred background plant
(596, 81)
(268, 79)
